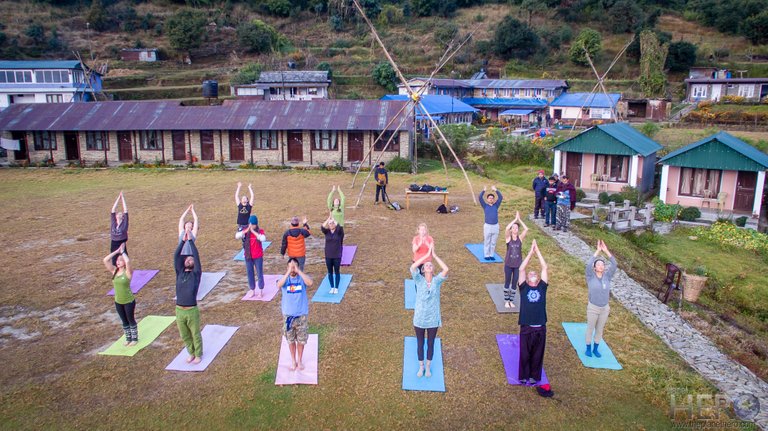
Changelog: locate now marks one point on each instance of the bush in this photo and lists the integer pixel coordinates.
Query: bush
(399, 164)
(278, 7)
(257, 36)
(522, 150)
(514, 39)
(603, 198)
(663, 212)
(649, 129)
(741, 221)
(681, 56)
(185, 29)
(728, 234)
(458, 135)
(690, 214)
(384, 75)
(390, 14)
(617, 198)
(625, 16)
(580, 194)
(590, 40)
(630, 194)
(248, 74)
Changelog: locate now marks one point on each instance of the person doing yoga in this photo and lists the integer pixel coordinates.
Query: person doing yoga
(294, 305)
(336, 205)
(188, 229)
(188, 273)
(118, 228)
(421, 244)
(513, 258)
(125, 302)
(253, 253)
(244, 207)
(426, 314)
(491, 220)
(334, 245)
(599, 291)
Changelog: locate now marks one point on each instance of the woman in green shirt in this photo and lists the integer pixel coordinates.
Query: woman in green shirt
(336, 206)
(125, 302)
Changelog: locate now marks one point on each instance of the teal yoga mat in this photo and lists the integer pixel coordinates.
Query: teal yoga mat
(576, 333)
(322, 295)
(434, 383)
(479, 253)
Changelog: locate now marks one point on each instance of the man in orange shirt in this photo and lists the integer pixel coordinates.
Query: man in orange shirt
(293, 241)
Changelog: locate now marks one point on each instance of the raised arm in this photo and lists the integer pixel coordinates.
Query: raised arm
(181, 220)
(416, 243)
(108, 261)
(614, 265)
(196, 222)
(117, 201)
(480, 198)
(127, 261)
(443, 267)
(421, 260)
(237, 193)
(196, 255)
(544, 273)
(523, 266)
(307, 279)
(329, 201)
(525, 228)
(250, 191)
(125, 206)
(178, 259)
(281, 282)
(341, 198)
(499, 197)
(260, 236)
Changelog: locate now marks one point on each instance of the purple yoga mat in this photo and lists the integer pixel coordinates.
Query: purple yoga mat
(269, 292)
(139, 279)
(347, 254)
(215, 337)
(307, 376)
(509, 347)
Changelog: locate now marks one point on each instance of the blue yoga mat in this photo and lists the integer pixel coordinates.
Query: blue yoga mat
(410, 294)
(322, 295)
(479, 253)
(434, 383)
(577, 336)
(241, 254)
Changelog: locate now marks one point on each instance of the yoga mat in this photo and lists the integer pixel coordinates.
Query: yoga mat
(241, 254)
(139, 279)
(577, 336)
(509, 347)
(477, 251)
(347, 254)
(322, 295)
(434, 383)
(307, 376)
(269, 292)
(215, 337)
(410, 294)
(150, 328)
(497, 295)
(208, 280)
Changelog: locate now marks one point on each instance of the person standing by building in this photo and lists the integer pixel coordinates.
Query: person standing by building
(566, 201)
(188, 273)
(244, 207)
(118, 228)
(599, 287)
(539, 187)
(293, 241)
(513, 258)
(253, 252)
(491, 220)
(382, 179)
(426, 312)
(336, 206)
(550, 202)
(125, 302)
(294, 305)
(334, 246)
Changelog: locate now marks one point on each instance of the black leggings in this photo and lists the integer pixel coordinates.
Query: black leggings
(511, 277)
(431, 334)
(114, 245)
(125, 311)
(333, 264)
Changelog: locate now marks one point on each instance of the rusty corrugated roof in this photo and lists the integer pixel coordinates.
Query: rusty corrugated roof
(238, 115)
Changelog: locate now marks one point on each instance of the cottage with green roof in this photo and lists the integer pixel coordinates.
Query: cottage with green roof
(721, 169)
(608, 157)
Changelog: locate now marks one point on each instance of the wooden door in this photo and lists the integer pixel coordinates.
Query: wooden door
(236, 145)
(71, 146)
(295, 147)
(354, 146)
(207, 150)
(179, 145)
(21, 154)
(745, 191)
(573, 168)
(124, 152)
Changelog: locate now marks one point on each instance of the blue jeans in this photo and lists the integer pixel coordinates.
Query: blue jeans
(550, 213)
(259, 264)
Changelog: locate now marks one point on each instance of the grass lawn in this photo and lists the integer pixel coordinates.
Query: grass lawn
(55, 316)
(733, 309)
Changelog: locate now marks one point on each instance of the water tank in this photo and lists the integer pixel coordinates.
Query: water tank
(211, 89)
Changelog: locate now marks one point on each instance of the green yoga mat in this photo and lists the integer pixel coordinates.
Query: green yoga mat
(150, 328)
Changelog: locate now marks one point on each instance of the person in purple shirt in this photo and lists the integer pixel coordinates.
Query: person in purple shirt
(118, 227)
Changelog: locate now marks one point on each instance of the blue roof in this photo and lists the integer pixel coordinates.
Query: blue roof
(514, 102)
(621, 132)
(587, 100)
(435, 104)
(40, 64)
(516, 112)
(728, 140)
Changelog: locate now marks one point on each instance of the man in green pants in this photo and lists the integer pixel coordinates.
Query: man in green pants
(188, 272)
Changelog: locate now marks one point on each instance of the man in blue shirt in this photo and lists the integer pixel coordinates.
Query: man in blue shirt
(491, 227)
(295, 307)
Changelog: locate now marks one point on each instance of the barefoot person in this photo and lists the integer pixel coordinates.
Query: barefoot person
(125, 302)
(244, 207)
(118, 227)
(533, 322)
(334, 245)
(295, 308)
(188, 229)
(188, 272)
(491, 226)
(426, 314)
(599, 288)
(293, 242)
(336, 206)
(421, 244)
(253, 252)
(513, 258)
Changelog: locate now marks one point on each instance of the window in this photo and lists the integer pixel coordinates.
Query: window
(699, 91)
(324, 140)
(614, 168)
(393, 146)
(747, 91)
(54, 98)
(96, 141)
(312, 91)
(12, 76)
(264, 139)
(537, 92)
(699, 182)
(150, 140)
(51, 76)
(44, 140)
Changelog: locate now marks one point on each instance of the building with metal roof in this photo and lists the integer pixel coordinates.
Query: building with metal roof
(608, 157)
(46, 81)
(442, 109)
(720, 169)
(286, 85)
(588, 108)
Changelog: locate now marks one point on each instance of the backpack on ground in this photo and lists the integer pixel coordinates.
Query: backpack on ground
(454, 209)
(442, 209)
(394, 206)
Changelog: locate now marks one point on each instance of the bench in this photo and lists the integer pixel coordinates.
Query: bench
(409, 192)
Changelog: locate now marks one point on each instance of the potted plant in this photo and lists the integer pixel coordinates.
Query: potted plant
(694, 283)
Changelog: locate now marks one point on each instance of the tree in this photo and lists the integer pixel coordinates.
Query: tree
(257, 36)
(186, 29)
(324, 65)
(533, 7)
(589, 40)
(372, 8)
(514, 39)
(278, 7)
(248, 74)
(755, 28)
(424, 7)
(653, 55)
(633, 51)
(445, 33)
(384, 75)
(97, 16)
(681, 56)
(36, 32)
(625, 16)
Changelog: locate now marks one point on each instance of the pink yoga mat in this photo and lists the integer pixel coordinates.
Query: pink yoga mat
(307, 376)
(347, 254)
(215, 337)
(139, 279)
(509, 347)
(269, 292)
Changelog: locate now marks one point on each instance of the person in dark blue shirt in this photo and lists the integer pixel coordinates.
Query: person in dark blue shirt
(491, 218)
(540, 184)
